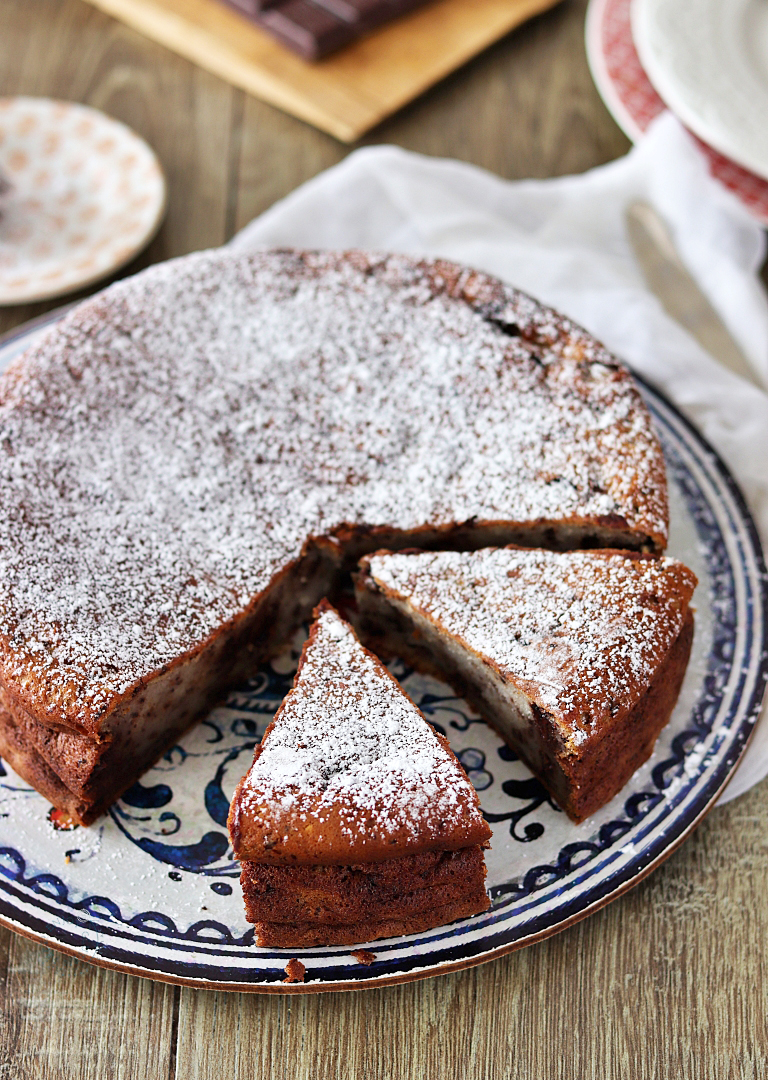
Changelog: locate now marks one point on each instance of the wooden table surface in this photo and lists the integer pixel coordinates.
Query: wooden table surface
(667, 982)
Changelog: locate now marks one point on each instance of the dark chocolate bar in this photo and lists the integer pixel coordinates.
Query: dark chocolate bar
(357, 12)
(306, 28)
(252, 7)
(315, 28)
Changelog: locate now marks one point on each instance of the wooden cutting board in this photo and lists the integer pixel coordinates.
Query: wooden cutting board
(351, 91)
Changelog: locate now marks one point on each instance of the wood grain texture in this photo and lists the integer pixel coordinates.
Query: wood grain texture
(61, 1019)
(349, 92)
(670, 980)
(69, 50)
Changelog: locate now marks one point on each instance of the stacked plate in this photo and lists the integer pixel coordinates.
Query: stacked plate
(707, 61)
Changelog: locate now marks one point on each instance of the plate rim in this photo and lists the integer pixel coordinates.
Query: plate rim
(673, 93)
(36, 296)
(750, 189)
(632, 875)
(598, 69)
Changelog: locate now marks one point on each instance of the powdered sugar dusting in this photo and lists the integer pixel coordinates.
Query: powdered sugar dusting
(582, 632)
(348, 744)
(173, 442)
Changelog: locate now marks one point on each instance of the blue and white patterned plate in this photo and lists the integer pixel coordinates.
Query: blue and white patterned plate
(152, 888)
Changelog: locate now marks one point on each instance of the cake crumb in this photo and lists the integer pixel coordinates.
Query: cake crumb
(295, 971)
(364, 957)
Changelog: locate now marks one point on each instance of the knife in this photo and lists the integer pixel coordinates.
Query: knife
(667, 277)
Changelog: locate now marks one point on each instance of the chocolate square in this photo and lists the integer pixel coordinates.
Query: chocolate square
(314, 28)
(359, 12)
(306, 28)
(251, 7)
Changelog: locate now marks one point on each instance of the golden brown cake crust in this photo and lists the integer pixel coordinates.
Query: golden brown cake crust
(307, 935)
(18, 751)
(603, 768)
(295, 906)
(349, 770)
(576, 658)
(581, 634)
(355, 820)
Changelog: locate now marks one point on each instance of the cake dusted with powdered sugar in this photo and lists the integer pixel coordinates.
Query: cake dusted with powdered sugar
(576, 658)
(189, 460)
(355, 821)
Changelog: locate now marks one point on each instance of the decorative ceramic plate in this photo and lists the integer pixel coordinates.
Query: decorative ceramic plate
(708, 59)
(632, 101)
(87, 195)
(152, 888)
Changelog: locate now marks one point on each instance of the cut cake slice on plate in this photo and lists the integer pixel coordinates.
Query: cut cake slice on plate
(576, 658)
(191, 459)
(355, 821)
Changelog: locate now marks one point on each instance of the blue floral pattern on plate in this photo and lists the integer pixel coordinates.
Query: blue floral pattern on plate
(152, 888)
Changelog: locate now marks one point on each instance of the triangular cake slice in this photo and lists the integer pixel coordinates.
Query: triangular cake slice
(576, 658)
(355, 821)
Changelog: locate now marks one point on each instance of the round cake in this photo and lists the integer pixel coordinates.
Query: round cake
(190, 460)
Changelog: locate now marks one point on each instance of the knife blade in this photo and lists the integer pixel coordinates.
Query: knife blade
(680, 295)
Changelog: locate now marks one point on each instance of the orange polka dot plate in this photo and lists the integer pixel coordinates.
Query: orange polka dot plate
(86, 195)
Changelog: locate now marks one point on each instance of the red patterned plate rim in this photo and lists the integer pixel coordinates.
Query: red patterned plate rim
(632, 101)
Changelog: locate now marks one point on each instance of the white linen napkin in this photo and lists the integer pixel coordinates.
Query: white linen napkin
(564, 241)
